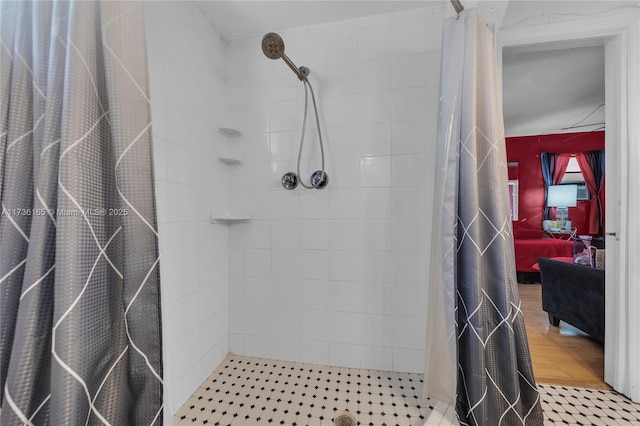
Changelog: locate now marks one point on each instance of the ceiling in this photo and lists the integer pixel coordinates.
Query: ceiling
(553, 91)
(546, 89)
(235, 19)
(554, 87)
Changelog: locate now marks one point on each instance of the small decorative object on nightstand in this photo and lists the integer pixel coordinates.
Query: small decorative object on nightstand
(553, 230)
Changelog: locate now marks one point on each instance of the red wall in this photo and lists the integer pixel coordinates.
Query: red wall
(525, 150)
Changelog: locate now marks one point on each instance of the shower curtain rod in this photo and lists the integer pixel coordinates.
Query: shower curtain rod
(457, 5)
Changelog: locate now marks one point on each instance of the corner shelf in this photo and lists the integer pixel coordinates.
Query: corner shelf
(229, 218)
(229, 161)
(232, 133)
(227, 131)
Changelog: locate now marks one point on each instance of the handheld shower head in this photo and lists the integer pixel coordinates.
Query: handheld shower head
(273, 48)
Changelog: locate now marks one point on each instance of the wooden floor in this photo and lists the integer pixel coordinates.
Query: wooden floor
(560, 355)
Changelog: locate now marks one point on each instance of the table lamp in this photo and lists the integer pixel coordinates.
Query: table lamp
(562, 197)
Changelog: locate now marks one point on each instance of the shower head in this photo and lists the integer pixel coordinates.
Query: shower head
(273, 48)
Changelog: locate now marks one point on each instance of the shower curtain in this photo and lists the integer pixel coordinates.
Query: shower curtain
(80, 333)
(554, 167)
(477, 353)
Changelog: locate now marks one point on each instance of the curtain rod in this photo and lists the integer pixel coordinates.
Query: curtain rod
(457, 5)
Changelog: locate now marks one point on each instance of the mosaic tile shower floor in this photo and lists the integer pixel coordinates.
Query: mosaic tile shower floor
(245, 391)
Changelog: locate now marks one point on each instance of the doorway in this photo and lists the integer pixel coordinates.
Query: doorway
(619, 33)
(554, 102)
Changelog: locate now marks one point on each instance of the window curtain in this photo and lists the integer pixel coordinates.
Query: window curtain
(477, 355)
(553, 168)
(592, 166)
(80, 329)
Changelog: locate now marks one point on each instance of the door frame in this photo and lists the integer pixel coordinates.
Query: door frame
(620, 35)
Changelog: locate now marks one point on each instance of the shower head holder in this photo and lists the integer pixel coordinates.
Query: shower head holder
(319, 179)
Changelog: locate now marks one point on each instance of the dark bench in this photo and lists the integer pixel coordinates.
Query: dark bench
(573, 294)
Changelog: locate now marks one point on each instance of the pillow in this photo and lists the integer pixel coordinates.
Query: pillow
(521, 225)
(527, 234)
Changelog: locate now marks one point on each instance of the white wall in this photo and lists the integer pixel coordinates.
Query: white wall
(336, 276)
(187, 95)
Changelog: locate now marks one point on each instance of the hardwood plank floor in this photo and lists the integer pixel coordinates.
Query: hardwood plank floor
(560, 355)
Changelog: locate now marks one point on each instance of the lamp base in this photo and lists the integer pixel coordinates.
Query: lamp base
(562, 214)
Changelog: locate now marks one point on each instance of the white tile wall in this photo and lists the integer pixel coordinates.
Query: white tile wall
(186, 71)
(336, 275)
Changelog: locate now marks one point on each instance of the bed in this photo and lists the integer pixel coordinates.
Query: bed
(528, 251)
(529, 245)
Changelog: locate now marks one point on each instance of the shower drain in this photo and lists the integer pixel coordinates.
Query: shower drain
(345, 418)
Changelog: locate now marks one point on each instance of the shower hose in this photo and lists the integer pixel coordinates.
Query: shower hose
(304, 127)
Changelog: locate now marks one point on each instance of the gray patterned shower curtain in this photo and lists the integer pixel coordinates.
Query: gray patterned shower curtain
(477, 352)
(80, 331)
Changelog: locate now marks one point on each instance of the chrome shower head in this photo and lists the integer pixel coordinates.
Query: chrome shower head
(273, 46)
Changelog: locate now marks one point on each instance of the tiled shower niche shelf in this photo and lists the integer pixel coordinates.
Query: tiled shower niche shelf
(229, 218)
(227, 131)
(230, 161)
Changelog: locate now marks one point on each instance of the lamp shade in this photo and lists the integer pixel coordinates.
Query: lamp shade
(562, 196)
